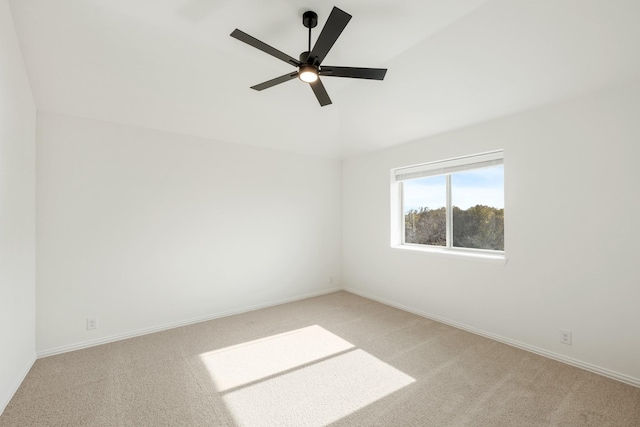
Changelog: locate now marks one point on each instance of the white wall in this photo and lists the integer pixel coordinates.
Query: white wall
(143, 228)
(572, 233)
(17, 213)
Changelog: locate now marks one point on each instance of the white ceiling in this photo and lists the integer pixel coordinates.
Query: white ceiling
(171, 65)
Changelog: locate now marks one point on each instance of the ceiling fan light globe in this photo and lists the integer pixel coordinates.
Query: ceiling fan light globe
(308, 74)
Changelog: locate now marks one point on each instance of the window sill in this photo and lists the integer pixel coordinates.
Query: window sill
(448, 252)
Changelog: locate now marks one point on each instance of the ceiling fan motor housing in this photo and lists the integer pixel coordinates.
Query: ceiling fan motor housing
(306, 59)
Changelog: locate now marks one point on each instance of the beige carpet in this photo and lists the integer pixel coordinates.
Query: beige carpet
(337, 359)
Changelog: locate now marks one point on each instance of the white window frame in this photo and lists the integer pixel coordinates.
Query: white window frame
(439, 168)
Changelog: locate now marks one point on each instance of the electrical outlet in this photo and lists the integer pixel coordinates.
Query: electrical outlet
(92, 323)
(565, 337)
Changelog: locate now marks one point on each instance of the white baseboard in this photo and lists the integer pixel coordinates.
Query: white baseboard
(533, 349)
(4, 400)
(542, 352)
(163, 327)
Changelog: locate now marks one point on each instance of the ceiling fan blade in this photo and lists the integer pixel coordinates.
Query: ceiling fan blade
(276, 81)
(354, 72)
(321, 93)
(252, 41)
(338, 19)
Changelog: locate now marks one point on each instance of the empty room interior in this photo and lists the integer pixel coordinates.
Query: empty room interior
(441, 230)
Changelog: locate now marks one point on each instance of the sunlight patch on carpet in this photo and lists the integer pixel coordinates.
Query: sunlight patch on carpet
(316, 395)
(252, 361)
(306, 377)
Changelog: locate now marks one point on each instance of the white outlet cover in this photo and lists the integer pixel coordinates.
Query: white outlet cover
(92, 323)
(565, 337)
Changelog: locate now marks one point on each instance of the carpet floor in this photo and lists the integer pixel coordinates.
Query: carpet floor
(337, 359)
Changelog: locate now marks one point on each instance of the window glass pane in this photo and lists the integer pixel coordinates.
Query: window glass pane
(477, 197)
(424, 203)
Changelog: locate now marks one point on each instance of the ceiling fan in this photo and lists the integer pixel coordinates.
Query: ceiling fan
(309, 65)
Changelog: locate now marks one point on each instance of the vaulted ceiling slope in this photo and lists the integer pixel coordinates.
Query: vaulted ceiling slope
(170, 65)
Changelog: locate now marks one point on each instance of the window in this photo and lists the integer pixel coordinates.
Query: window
(454, 205)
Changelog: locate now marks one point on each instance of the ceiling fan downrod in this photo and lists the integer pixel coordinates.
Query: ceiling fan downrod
(310, 20)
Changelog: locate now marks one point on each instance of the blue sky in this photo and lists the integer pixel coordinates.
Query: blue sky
(477, 187)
